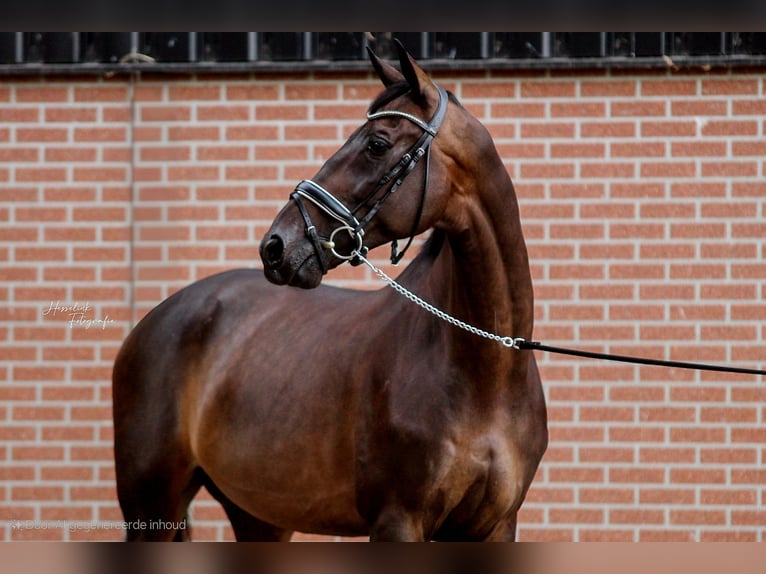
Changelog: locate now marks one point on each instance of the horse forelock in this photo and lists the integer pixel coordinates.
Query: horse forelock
(388, 95)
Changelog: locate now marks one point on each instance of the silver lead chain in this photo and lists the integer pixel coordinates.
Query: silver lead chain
(510, 342)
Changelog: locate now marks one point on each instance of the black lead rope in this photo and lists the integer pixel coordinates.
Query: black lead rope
(522, 344)
(537, 346)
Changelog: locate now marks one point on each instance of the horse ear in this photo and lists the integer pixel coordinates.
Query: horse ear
(386, 72)
(414, 74)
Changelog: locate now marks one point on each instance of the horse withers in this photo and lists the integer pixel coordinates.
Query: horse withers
(342, 412)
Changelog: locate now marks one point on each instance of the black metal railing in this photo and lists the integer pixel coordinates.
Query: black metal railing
(188, 50)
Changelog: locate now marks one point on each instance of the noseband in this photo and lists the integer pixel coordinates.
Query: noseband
(334, 208)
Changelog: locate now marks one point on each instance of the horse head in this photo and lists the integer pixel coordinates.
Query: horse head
(389, 181)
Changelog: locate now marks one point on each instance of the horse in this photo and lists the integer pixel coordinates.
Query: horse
(317, 409)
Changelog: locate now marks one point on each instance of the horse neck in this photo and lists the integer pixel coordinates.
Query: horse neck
(484, 270)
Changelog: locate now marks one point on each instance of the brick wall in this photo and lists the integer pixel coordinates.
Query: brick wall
(642, 195)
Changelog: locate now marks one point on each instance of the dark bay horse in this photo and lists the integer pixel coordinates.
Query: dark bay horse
(341, 412)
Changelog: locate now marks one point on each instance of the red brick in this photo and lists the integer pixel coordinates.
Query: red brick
(260, 133)
(589, 150)
(729, 128)
(729, 169)
(607, 414)
(223, 113)
(668, 169)
(164, 153)
(193, 133)
(666, 88)
(576, 434)
(250, 173)
(611, 88)
(148, 92)
(187, 92)
(748, 434)
(657, 495)
(694, 475)
(749, 106)
(175, 113)
(698, 517)
(636, 516)
(224, 152)
(100, 94)
(607, 170)
(698, 149)
(311, 92)
(21, 154)
(727, 536)
(193, 173)
(223, 232)
(48, 493)
(18, 233)
(728, 497)
(737, 87)
(576, 516)
(40, 174)
(71, 114)
(606, 454)
(728, 456)
(749, 148)
(255, 92)
(545, 535)
(82, 155)
(22, 254)
(42, 94)
(38, 373)
(39, 453)
(704, 108)
(575, 474)
(548, 89)
(517, 110)
(669, 128)
(667, 455)
(748, 517)
(605, 535)
(608, 129)
(577, 231)
(638, 109)
(640, 149)
(100, 134)
(547, 130)
(697, 190)
(578, 110)
(13, 114)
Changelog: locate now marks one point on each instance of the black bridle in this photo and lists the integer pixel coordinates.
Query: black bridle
(330, 205)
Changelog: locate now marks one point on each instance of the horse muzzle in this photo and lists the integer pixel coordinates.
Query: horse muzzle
(291, 264)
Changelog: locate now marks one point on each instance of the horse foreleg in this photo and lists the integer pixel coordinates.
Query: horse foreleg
(505, 531)
(395, 524)
(247, 528)
(155, 507)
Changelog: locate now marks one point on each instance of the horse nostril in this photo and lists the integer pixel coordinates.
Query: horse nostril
(273, 251)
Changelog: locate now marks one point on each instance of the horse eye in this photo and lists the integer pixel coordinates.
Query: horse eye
(378, 147)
